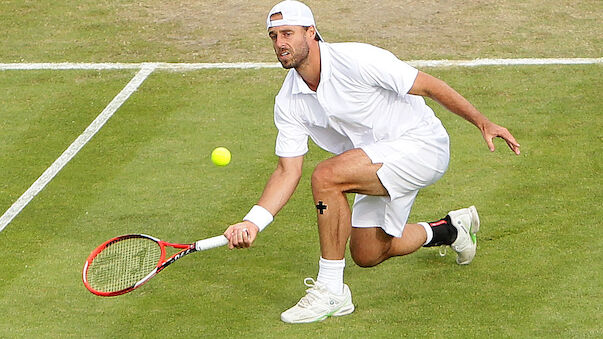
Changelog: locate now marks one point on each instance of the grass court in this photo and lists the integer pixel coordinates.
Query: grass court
(537, 271)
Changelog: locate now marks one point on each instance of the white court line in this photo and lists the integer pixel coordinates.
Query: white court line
(248, 65)
(505, 62)
(118, 66)
(76, 146)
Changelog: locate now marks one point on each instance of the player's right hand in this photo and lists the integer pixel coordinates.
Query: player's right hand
(241, 235)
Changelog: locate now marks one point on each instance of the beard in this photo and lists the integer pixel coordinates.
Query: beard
(296, 58)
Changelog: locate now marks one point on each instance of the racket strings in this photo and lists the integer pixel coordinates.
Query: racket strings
(123, 264)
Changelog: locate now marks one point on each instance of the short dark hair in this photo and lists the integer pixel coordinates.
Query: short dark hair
(316, 36)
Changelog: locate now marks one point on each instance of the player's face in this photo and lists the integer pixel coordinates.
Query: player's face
(290, 45)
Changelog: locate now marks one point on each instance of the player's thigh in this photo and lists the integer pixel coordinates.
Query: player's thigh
(408, 164)
(351, 172)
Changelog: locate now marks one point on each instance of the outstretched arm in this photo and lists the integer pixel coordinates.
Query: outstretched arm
(438, 90)
(278, 190)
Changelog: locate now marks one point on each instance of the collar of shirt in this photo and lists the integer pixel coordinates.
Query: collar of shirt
(300, 86)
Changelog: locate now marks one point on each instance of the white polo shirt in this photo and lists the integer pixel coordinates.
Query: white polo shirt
(362, 98)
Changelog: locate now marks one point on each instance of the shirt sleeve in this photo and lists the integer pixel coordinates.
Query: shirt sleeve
(382, 68)
(292, 138)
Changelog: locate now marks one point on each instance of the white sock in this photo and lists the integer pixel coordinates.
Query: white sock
(330, 274)
(429, 232)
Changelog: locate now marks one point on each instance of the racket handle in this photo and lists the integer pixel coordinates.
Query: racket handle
(209, 243)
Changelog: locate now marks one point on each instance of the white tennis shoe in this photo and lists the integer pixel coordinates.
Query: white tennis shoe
(318, 304)
(466, 221)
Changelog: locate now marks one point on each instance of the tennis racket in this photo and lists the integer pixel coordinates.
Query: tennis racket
(124, 263)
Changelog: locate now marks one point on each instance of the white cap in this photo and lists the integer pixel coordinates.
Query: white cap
(294, 13)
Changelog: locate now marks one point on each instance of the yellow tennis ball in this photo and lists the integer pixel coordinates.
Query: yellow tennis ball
(220, 156)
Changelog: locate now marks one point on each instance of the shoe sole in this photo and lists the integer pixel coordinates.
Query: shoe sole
(344, 311)
(474, 224)
(473, 229)
(338, 313)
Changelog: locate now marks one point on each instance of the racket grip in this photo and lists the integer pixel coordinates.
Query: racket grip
(209, 243)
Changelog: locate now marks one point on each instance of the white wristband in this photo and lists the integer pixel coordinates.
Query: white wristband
(259, 216)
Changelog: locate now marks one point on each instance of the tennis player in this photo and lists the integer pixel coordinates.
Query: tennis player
(365, 106)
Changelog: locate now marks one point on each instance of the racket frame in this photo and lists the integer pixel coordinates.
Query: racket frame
(163, 263)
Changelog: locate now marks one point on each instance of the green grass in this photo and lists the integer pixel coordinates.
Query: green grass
(233, 31)
(537, 272)
(148, 170)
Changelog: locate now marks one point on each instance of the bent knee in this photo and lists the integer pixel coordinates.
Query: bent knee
(323, 177)
(369, 246)
(367, 257)
(365, 262)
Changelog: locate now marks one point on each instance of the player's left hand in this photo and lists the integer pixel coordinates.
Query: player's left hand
(492, 130)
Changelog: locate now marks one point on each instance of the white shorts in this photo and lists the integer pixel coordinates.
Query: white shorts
(410, 163)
